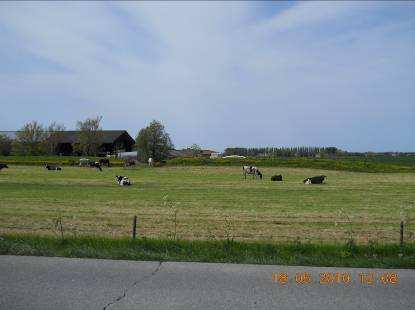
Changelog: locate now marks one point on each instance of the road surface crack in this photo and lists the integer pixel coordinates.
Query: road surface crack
(124, 293)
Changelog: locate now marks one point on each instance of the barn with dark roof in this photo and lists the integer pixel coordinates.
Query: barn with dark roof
(112, 141)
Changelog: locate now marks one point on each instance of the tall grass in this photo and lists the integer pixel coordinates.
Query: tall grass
(295, 253)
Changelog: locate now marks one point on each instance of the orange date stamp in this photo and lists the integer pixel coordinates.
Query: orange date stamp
(330, 278)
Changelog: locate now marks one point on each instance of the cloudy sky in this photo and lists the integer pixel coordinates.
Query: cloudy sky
(216, 74)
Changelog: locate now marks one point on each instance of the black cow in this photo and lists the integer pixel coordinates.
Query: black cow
(315, 180)
(52, 167)
(2, 166)
(277, 177)
(104, 162)
(95, 165)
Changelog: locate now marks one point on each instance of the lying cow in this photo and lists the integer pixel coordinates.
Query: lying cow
(53, 167)
(122, 181)
(2, 166)
(277, 177)
(95, 165)
(84, 162)
(315, 180)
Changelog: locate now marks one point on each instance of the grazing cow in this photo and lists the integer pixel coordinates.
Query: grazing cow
(277, 177)
(84, 162)
(2, 166)
(315, 180)
(254, 171)
(104, 162)
(150, 162)
(95, 165)
(52, 167)
(122, 181)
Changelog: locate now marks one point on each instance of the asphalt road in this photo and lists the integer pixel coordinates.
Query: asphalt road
(66, 283)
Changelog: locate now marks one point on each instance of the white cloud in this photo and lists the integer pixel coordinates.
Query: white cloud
(307, 13)
(211, 76)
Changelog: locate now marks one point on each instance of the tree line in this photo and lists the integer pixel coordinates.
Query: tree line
(36, 139)
(151, 141)
(302, 151)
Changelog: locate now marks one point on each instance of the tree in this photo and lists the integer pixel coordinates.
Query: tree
(5, 145)
(53, 136)
(196, 150)
(30, 139)
(331, 151)
(153, 141)
(90, 136)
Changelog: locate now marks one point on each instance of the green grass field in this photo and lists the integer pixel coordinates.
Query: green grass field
(209, 203)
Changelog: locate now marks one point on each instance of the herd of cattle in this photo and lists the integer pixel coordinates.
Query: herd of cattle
(124, 181)
(85, 162)
(254, 171)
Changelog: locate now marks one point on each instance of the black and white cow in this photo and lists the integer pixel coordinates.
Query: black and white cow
(122, 180)
(315, 180)
(2, 166)
(95, 165)
(277, 177)
(84, 162)
(52, 167)
(254, 171)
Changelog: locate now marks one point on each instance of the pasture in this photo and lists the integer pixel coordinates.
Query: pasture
(208, 203)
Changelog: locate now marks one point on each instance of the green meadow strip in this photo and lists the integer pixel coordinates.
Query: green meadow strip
(214, 251)
(352, 164)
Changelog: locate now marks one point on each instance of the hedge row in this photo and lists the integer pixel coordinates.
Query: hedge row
(317, 163)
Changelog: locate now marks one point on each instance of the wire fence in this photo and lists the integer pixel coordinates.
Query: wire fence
(206, 226)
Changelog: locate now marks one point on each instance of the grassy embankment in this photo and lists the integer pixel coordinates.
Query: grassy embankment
(373, 256)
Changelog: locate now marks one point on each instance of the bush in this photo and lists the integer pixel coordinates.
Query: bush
(5, 145)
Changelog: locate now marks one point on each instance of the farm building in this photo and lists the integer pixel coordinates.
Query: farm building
(112, 141)
(209, 154)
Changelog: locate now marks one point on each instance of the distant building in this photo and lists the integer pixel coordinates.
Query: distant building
(112, 141)
(234, 156)
(209, 154)
(191, 153)
(181, 153)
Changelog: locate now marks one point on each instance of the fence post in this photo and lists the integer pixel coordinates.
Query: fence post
(401, 237)
(134, 226)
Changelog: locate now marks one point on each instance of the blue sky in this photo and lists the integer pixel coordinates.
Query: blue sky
(216, 74)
